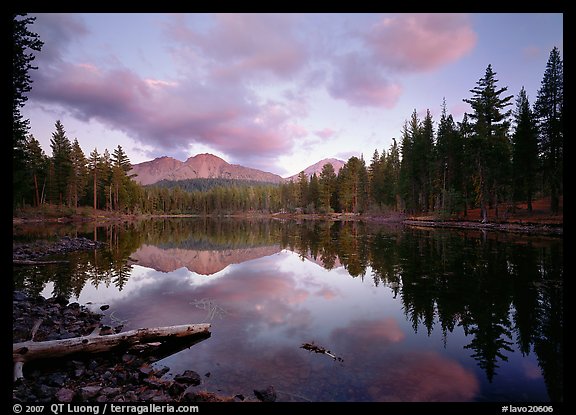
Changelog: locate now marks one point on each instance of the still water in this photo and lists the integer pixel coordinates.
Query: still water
(412, 314)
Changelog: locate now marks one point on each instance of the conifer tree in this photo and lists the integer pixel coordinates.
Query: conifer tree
(524, 150)
(490, 145)
(24, 44)
(548, 110)
(62, 164)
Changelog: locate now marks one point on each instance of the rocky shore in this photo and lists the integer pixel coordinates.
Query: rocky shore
(37, 250)
(115, 376)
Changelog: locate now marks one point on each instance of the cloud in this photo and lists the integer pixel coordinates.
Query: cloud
(360, 334)
(57, 31)
(244, 45)
(169, 115)
(325, 133)
(212, 102)
(420, 42)
(423, 377)
(531, 52)
(395, 373)
(360, 83)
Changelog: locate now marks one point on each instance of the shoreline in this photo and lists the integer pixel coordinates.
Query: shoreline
(555, 228)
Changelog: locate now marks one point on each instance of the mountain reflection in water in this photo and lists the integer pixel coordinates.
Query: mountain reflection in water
(416, 314)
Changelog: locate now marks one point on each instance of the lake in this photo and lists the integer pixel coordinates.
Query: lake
(408, 314)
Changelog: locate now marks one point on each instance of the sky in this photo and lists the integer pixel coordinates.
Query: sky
(276, 92)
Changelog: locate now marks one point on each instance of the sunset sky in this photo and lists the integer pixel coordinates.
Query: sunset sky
(275, 92)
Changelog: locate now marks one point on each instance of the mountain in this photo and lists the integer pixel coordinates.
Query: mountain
(317, 168)
(206, 166)
(204, 262)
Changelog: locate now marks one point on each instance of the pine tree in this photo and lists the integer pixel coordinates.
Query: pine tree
(490, 142)
(62, 164)
(94, 168)
(449, 152)
(79, 176)
(120, 168)
(548, 110)
(466, 135)
(327, 183)
(37, 163)
(392, 175)
(24, 43)
(524, 150)
(424, 154)
(406, 179)
(314, 193)
(352, 184)
(302, 190)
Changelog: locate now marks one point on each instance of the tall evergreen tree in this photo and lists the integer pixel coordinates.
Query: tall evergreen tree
(392, 175)
(466, 134)
(302, 189)
(79, 174)
(352, 182)
(424, 156)
(24, 44)
(449, 152)
(490, 141)
(548, 110)
(37, 169)
(376, 178)
(120, 167)
(62, 164)
(524, 150)
(314, 193)
(406, 182)
(327, 182)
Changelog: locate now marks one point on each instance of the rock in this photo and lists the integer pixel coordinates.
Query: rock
(189, 395)
(189, 377)
(162, 371)
(65, 395)
(110, 392)
(176, 389)
(128, 358)
(266, 395)
(57, 379)
(89, 392)
(19, 296)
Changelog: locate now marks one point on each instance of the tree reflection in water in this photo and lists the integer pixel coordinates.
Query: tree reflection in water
(504, 290)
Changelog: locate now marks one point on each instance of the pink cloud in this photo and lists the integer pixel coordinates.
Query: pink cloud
(532, 52)
(244, 45)
(357, 81)
(325, 133)
(420, 42)
(424, 377)
(362, 333)
(158, 113)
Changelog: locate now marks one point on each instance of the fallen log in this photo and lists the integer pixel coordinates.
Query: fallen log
(94, 343)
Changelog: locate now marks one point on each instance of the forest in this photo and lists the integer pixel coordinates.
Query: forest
(505, 151)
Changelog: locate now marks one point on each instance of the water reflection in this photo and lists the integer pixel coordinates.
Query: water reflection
(428, 315)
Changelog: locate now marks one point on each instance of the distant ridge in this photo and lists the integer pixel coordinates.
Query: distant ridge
(317, 168)
(200, 166)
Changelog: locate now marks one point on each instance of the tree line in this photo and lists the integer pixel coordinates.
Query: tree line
(494, 155)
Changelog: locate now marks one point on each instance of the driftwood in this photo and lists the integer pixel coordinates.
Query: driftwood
(94, 343)
(319, 349)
